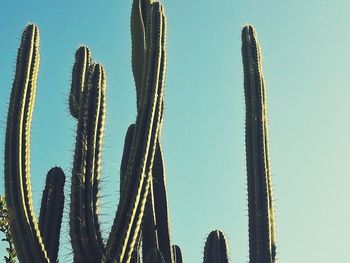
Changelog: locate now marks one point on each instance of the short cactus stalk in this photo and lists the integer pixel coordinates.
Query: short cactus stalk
(27, 238)
(215, 250)
(51, 211)
(262, 247)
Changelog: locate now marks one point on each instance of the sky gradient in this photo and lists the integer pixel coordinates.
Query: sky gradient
(306, 62)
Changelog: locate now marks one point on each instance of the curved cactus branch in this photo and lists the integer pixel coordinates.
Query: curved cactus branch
(215, 250)
(130, 210)
(24, 228)
(262, 246)
(51, 211)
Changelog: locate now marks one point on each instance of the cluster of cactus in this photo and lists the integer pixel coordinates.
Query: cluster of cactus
(135, 236)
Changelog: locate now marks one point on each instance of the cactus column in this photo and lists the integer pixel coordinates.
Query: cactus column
(262, 246)
(27, 238)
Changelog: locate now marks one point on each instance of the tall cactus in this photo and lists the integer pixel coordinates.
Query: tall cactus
(262, 246)
(24, 228)
(87, 100)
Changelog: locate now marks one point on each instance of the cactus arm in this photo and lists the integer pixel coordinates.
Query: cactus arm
(79, 79)
(260, 201)
(26, 235)
(122, 239)
(51, 211)
(177, 254)
(85, 232)
(215, 250)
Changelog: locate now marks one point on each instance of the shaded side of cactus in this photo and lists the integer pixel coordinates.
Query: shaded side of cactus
(177, 254)
(5, 229)
(23, 225)
(51, 211)
(125, 158)
(215, 250)
(262, 246)
(154, 256)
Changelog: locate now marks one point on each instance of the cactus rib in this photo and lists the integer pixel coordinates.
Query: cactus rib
(260, 201)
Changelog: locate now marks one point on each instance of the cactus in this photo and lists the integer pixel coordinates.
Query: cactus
(87, 100)
(142, 216)
(215, 250)
(177, 254)
(51, 211)
(27, 238)
(154, 256)
(262, 246)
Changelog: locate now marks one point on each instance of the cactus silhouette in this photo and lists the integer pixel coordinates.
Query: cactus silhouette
(262, 246)
(215, 250)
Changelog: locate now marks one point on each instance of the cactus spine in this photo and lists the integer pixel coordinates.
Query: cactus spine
(262, 246)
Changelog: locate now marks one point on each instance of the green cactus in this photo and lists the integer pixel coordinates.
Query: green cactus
(139, 150)
(23, 225)
(262, 247)
(51, 211)
(142, 218)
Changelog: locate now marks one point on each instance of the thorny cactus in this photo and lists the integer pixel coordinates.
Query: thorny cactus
(31, 244)
(142, 218)
(142, 154)
(262, 247)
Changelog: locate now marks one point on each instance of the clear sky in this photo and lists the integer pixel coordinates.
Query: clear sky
(306, 61)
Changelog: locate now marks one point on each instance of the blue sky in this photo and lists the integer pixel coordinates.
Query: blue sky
(306, 61)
